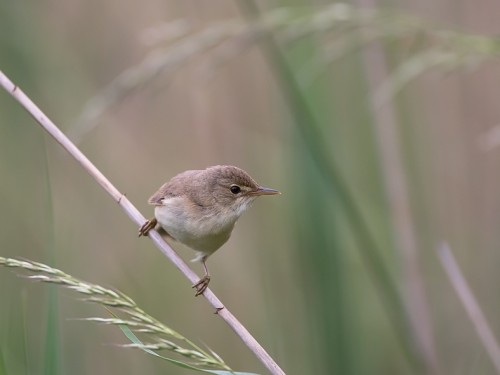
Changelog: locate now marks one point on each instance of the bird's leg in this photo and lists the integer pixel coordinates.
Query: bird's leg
(147, 226)
(202, 284)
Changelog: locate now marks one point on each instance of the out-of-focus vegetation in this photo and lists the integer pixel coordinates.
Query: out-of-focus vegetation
(319, 274)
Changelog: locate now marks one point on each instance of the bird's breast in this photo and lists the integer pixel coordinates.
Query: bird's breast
(204, 230)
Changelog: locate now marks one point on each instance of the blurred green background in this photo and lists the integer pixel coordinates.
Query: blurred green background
(338, 275)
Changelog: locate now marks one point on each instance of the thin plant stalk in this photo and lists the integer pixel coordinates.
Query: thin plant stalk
(466, 296)
(138, 219)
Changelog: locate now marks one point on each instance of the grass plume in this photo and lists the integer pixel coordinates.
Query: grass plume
(129, 318)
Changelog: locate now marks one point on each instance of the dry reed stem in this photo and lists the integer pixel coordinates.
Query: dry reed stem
(138, 219)
(470, 304)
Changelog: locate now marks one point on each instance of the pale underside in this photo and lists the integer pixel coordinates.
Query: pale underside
(201, 229)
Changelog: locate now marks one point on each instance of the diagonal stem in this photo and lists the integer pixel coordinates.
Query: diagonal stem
(470, 304)
(138, 219)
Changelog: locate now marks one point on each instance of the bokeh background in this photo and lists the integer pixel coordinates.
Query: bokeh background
(379, 122)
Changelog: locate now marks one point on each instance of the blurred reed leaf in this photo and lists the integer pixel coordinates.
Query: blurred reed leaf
(409, 70)
(3, 370)
(52, 346)
(311, 128)
(52, 343)
(342, 28)
(452, 51)
(130, 318)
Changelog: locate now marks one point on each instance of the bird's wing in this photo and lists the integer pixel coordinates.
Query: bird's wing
(173, 188)
(163, 192)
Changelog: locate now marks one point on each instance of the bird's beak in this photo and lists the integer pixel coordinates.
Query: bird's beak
(264, 191)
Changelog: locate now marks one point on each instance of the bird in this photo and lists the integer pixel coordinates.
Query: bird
(199, 209)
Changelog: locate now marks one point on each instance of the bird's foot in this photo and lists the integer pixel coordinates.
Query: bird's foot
(201, 285)
(147, 226)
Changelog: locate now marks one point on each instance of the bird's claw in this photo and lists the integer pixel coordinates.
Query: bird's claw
(201, 285)
(147, 226)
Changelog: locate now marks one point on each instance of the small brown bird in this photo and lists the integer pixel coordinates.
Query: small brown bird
(199, 209)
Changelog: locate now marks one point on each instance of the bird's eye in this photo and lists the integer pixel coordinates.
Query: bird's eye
(235, 189)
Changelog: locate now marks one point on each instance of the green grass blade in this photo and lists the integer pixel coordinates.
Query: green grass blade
(309, 128)
(3, 370)
(52, 343)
